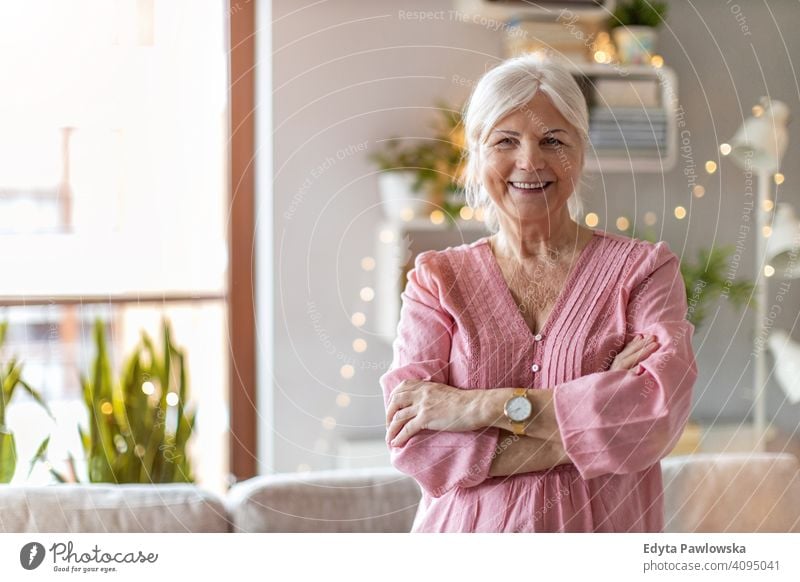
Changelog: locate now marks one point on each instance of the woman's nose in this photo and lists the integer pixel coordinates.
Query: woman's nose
(530, 159)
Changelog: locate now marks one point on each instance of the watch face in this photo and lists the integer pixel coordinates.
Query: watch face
(519, 408)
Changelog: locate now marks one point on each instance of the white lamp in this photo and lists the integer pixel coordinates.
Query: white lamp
(783, 252)
(787, 363)
(762, 139)
(759, 145)
(783, 245)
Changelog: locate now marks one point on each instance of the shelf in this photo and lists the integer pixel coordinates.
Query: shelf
(478, 10)
(425, 225)
(395, 257)
(631, 159)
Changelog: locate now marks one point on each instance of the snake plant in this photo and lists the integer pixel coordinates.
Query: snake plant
(139, 425)
(10, 380)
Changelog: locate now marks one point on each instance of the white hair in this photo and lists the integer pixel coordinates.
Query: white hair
(509, 87)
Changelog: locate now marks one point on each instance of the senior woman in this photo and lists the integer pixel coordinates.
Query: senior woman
(540, 373)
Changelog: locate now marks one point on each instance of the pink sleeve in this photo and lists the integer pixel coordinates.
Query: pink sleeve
(439, 460)
(620, 422)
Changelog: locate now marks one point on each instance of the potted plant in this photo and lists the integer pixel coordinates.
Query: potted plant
(139, 424)
(405, 173)
(10, 380)
(633, 25)
(425, 175)
(705, 279)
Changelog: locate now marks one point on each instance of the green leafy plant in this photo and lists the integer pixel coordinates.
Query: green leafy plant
(705, 280)
(638, 13)
(138, 433)
(10, 380)
(437, 161)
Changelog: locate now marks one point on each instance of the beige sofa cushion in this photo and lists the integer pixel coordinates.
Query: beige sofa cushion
(111, 508)
(344, 500)
(733, 492)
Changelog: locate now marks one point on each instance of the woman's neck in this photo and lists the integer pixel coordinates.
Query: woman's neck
(521, 242)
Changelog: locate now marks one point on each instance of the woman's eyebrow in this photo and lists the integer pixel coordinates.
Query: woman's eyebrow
(516, 133)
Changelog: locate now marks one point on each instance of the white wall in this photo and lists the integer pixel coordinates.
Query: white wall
(347, 73)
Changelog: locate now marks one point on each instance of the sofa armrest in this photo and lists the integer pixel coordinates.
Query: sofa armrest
(733, 492)
(343, 500)
(111, 508)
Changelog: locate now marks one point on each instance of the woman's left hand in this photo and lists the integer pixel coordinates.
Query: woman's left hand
(418, 405)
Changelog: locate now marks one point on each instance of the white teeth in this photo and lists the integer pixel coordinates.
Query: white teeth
(528, 185)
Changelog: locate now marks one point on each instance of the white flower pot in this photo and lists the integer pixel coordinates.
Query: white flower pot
(398, 197)
(635, 44)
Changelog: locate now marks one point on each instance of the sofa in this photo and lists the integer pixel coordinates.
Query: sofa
(702, 493)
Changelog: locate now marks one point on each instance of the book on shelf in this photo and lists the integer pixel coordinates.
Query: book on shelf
(627, 93)
(602, 113)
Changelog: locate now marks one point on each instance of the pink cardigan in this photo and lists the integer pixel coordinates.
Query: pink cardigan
(459, 326)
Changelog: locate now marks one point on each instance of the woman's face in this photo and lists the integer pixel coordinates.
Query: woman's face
(534, 146)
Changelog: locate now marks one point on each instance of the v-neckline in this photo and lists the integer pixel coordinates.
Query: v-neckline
(563, 295)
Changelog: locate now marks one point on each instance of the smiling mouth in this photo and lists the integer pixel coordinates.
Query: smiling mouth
(530, 187)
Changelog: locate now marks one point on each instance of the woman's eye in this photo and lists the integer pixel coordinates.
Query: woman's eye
(505, 141)
(552, 141)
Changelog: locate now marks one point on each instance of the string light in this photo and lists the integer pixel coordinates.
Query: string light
(359, 345)
(680, 212)
(148, 388)
(328, 423)
(367, 263)
(769, 271)
(768, 205)
(592, 220)
(466, 213)
(657, 61)
(480, 214)
(407, 214)
(758, 110)
(172, 399)
(698, 191)
(367, 294)
(779, 178)
(725, 149)
(387, 236)
(358, 319)
(343, 400)
(437, 217)
(711, 167)
(347, 371)
(623, 223)
(767, 231)
(650, 218)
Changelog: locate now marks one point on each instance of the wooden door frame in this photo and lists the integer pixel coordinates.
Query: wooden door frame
(241, 236)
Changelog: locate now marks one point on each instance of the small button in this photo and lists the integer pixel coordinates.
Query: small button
(537, 337)
(535, 367)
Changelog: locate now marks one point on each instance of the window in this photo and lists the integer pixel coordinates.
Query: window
(113, 202)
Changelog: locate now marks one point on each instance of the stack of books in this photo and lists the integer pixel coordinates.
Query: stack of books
(628, 130)
(626, 118)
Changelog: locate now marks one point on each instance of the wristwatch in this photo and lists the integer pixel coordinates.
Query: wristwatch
(519, 410)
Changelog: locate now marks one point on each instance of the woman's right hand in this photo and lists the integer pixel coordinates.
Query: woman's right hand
(637, 350)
